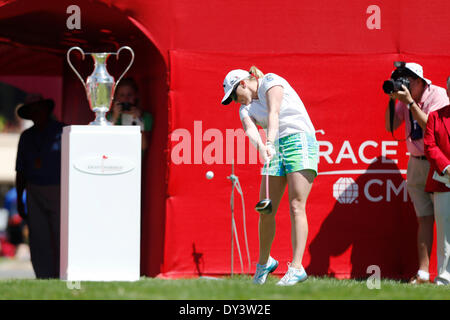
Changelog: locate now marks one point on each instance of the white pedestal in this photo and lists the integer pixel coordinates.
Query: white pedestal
(100, 203)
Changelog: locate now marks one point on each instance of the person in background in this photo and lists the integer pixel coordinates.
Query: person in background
(126, 109)
(38, 167)
(17, 230)
(437, 150)
(413, 106)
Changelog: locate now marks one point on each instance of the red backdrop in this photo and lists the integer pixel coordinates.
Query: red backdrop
(378, 227)
(323, 48)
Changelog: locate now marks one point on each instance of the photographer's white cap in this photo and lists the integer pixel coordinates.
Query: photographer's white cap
(417, 69)
(230, 82)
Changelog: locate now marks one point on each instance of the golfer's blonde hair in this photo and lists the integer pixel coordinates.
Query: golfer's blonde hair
(256, 73)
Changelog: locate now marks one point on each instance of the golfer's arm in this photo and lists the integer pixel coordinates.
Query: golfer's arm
(252, 132)
(274, 98)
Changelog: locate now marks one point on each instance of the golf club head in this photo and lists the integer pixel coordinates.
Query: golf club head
(264, 206)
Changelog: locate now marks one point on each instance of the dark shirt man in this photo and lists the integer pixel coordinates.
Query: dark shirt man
(38, 168)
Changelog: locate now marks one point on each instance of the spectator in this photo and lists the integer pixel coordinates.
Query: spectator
(38, 167)
(437, 149)
(17, 230)
(126, 109)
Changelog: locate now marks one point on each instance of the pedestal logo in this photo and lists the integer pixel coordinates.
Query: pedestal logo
(104, 165)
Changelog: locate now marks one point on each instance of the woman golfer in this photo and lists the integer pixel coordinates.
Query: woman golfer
(291, 151)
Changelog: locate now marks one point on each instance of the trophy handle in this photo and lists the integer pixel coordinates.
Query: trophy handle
(71, 65)
(131, 62)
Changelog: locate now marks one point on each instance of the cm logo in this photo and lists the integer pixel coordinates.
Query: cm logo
(347, 191)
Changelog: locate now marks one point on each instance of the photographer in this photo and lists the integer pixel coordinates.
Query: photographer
(417, 97)
(126, 110)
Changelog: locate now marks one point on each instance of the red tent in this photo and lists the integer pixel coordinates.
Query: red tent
(335, 54)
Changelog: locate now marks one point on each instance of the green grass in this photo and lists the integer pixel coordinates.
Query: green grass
(236, 288)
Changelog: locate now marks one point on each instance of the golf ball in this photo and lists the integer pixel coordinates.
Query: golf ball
(209, 175)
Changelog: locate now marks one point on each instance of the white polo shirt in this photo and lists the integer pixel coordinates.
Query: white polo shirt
(293, 117)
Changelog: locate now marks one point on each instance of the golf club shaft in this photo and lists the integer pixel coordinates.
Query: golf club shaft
(267, 180)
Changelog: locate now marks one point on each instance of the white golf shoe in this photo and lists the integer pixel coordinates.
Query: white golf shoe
(262, 271)
(293, 276)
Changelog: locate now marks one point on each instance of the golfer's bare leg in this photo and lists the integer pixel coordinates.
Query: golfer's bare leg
(299, 185)
(267, 221)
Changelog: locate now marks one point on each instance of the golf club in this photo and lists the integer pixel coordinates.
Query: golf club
(265, 205)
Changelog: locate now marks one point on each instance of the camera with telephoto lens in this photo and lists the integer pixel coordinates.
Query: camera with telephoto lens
(126, 106)
(398, 78)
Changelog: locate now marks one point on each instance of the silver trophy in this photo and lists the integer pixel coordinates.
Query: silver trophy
(100, 85)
